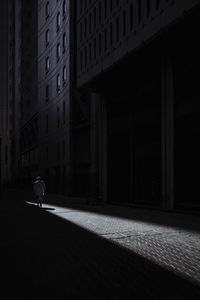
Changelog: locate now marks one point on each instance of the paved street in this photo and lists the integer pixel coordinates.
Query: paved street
(73, 251)
(173, 247)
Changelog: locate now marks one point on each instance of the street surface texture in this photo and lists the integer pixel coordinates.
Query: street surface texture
(73, 251)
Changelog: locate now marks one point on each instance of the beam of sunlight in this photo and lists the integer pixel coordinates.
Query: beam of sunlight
(173, 248)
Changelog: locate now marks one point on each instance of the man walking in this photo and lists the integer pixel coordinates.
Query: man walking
(39, 190)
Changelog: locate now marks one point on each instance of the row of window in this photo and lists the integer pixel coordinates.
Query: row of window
(90, 51)
(64, 43)
(107, 38)
(108, 4)
(58, 49)
(124, 25)
(89, 24)
(58, 82)
(64, 10)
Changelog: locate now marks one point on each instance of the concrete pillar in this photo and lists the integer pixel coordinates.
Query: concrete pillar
(167, 134)
(94, 111)
(98, 148)
(104, 147)
(132, 157)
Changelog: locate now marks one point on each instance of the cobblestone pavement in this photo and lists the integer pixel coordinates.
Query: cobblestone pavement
(177, 249)
(94, 253)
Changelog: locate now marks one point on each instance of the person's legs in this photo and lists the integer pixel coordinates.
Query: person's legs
(41, 199)
(37, 200)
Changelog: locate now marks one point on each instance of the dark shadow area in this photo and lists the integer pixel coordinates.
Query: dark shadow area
(46, 257)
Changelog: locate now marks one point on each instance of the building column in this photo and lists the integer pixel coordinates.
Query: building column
(167, 134)
(98, 148)
(104, 146)
(94, 101)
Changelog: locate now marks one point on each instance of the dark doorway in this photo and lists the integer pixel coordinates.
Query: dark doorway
(118, 151)
(81, 156)
(187, 131)
(147, 145)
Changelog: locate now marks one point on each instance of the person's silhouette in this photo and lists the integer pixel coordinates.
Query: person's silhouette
(39, 190)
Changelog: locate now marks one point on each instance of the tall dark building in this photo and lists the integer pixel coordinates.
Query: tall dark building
(104, 99)
(55, 79)
(5, 105)
(136, 71)
(22, 89)
(14, 85)
(29, 90)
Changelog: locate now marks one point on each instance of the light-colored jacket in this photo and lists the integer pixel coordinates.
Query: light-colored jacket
(39, 188)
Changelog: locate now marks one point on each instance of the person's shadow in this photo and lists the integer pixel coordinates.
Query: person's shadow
(47, 208)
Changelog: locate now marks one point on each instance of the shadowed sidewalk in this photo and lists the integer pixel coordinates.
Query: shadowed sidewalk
(46, 257)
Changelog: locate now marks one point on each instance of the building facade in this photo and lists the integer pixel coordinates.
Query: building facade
(136, 66)
(22, 89)
(102, 99)
(14, 85)
(29, 91)
(5, 105)
(54, 93)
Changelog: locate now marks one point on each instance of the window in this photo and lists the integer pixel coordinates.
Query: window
(99, 44)
(131, 16)
(64, 8)
(99, 12)
(81, 59)
(139, 11)
(64, 74)
(124, 22)
(85, 57)
(58, 52)
(90, 52)
(47, 153)
(85, 27)
(63, 149)
(64, 112)
(90, 23)
(58, 22)
(47, 92)
(81, 32)
(81, 5)
(111, 35)
(47, 9)
(157, 4)
(58, 82)
(95, 17)
(47, 64)
(105, 39)
(111, 5)
(117, 29)
(105, 8)
(47, 37)
(148, 8)
(95, 50)
(64, 42)
(47, 123)
(58, 151)
(6, 154)
(58, 117)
